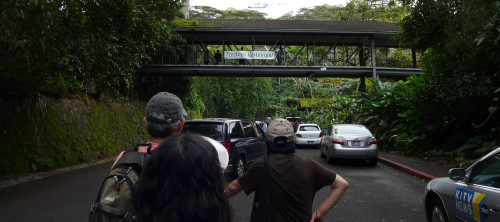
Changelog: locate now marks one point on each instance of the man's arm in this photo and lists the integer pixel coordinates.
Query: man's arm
(233, 189)
(338, 187)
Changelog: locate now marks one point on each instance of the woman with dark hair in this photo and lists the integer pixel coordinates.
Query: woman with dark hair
(183, 181)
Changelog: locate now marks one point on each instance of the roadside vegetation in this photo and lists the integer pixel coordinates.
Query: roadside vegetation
(449, 114)
(91, 51)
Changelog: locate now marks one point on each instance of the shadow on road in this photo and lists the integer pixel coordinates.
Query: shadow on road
(352, 163)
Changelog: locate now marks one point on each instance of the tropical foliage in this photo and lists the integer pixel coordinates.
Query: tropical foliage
(354, 10)
(207, 12)
(233, 97)
(69, 47)
(453, 109)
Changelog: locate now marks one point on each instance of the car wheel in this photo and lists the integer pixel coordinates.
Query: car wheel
(321, 152)
(240, 167)
(437, 213)
(329, 159)
(373, 161)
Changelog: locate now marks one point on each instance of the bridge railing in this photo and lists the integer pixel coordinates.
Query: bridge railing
(348, 56)
(330, 62)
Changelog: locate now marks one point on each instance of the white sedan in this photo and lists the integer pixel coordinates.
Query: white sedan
(308, 135)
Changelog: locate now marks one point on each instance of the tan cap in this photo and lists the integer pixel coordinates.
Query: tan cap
(279, 127)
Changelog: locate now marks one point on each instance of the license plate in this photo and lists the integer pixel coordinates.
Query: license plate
(309, 142)
(355, 143)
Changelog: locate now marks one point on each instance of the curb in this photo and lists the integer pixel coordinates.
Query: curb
(427, 177)
(41, 175)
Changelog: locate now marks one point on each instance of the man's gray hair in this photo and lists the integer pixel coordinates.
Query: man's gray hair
(161, 130)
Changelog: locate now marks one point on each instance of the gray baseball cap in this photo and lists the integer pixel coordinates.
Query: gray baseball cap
(279, 128)
(165, 108)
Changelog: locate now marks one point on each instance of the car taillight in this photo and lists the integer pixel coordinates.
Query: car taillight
(298, 135)
(337, 141)
(372, 141)
(320, 135)
(228, 146)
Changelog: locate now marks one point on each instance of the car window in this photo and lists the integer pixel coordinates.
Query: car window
(260, 132)
(212, 130)
(487, 172)
(342, 130)
(235, 130)
(248, 128)
(309, 128)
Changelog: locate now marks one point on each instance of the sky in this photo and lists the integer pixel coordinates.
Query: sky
(273, 8)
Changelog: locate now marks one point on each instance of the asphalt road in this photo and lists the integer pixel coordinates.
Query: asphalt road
(378, 193)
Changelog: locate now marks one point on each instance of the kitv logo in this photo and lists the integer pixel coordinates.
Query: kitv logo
(469, 203)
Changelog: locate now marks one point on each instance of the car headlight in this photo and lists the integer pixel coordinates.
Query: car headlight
(428, 186)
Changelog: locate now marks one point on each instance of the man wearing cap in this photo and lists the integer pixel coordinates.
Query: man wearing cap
(164, 117)
(293, 180)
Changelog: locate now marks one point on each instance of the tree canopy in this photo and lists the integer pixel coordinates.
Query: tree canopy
(207, 12)
(68, 47)
(354, 10)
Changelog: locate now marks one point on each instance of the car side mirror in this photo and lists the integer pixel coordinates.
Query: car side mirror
(456, 174)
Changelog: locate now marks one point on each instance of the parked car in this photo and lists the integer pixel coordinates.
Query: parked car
(243, 139)
(471, 194)
(308, 135)
(350, 141)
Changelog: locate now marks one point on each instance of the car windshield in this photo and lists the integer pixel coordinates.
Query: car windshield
(212, 130)
(487, 172)
(352, 130)
(309, 128)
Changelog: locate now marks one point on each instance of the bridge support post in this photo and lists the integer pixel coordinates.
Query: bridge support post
(374, 62)
(362, 84)
(414, 57)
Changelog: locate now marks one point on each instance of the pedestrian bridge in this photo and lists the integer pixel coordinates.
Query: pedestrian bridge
(300, 48)
(277, 71)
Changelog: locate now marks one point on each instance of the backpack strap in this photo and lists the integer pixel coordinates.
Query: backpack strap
(267, 189)
(136, 148)
(132, 156)
(261, 208)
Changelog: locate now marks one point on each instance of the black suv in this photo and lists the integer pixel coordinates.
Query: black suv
(243, 139)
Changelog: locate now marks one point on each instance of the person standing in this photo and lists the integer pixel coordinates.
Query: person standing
(164, 117)
(218, 57)
(241, 61)
(293, 126)
(206, 57)
(293, 180)
(183, 181)
(279, 56)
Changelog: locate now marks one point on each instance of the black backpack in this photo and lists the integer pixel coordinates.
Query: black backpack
(118, 188)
